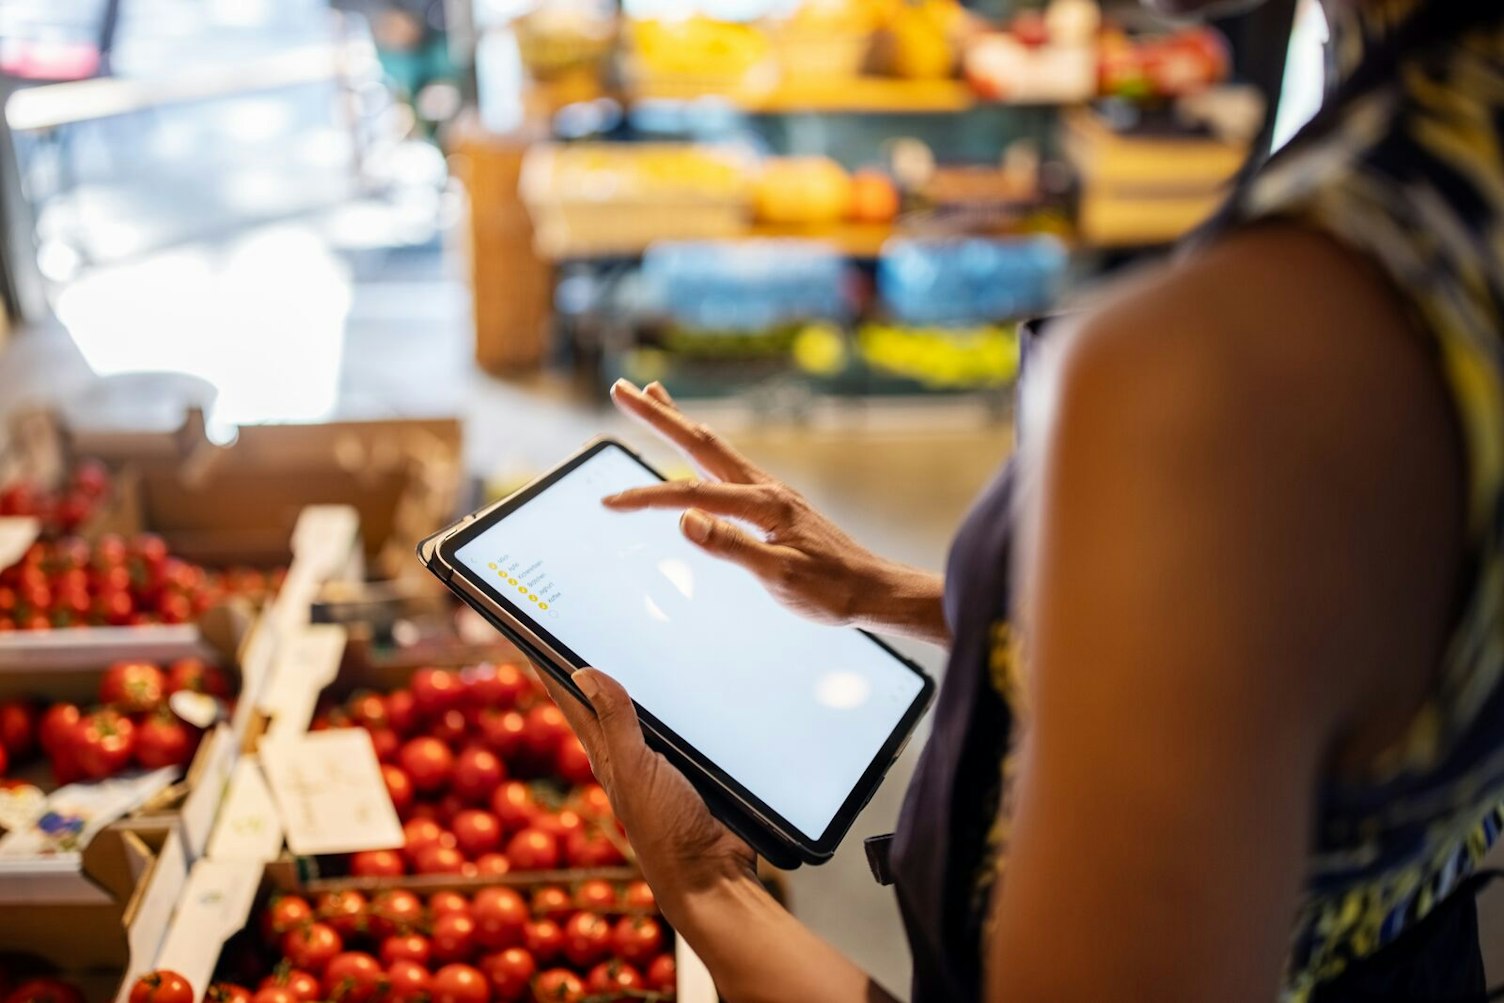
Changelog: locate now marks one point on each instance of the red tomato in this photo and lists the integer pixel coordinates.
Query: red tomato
(103, 743)
(132, 687)
(452, 937)
(283, 914)
(596, 895)
(402, 711)
(275, 994)
(492, 865)
(419, 834)
(502, 732)
(398, 785)
(427, 762)
(558, 985)
(150, 548)
(57, 727)
(354, 976)
(544, 939)
(45, 990)
(513, 805)
(163, 739)
(637, 939)
(552, 902)
(162, 986)
(441, 902)
(436, 690)
(377, 864)
(500, 914)
(410, 982)
(227, 992)
(311, 947)
(477, 772)
(440, 860)
(545, 731)
(572, 762)
(345, 911)
(614, 982)
(460, 984)
(587, 939)
(509, 973)
(114, 607)
(561, 825)
(369, 711)
(533, 850)
(406, 947)
(451, 727)
(386, 743)
(663, 974)
(91, 478)
(196, 676)
(175, 607)
(476, 832)
(18, 728)
(638, 896)
(496, 685)
(395, 911)
(588, 849)
(302, 985)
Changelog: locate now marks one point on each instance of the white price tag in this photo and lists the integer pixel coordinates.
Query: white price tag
(215, 904)
(307, 660)
(249, 827)
(202, 803)
(330, 792)
(17, 533)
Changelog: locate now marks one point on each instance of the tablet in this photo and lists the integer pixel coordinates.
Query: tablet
(787, 726)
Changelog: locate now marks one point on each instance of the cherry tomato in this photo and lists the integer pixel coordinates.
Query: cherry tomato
(589, 849)
(544, 939)
(514, 806)
(452, 728)
(663, 974)
(596, 895)
(57, 727)
(369, 711)
(492, 865)
(227, 992)
(395, 911)
(436, 690)
(344, 911)
(387, 744)
(453, 937)
(614, 982)
(477, 772)
(407, 947)
(402, 711)
(377, 864)
(460, 984)
(496, 685)
(500, 914)
(502, 732)
(410, 982)
(509, 973)
(552, 902)
(558, 985)
(637, 939)
(103, 743)
(275, 994)
(18, 728)
(164, 739)
(587, 938)
(427, 762)
(440, 860)
(399, 786)
(301, 984)
(638, 896)
(476, 832)
(114, 607)
(441, 902)
(573, 762)
(561, 825)
(311, 947)
(419, 834)
(162, 986)
(533, 850)
(285, 913)
(352, 976)
(45, 990)
(545, 731)
(132, 687)
(196, 676)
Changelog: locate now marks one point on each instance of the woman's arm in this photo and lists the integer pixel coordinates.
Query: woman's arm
(1242, 550)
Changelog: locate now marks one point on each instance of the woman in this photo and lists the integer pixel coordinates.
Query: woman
(1231, 713)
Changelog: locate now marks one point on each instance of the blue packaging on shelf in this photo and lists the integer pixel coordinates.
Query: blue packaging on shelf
(971, 280)
(746, 286)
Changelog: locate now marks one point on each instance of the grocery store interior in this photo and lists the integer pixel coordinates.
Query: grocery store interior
(289, 285)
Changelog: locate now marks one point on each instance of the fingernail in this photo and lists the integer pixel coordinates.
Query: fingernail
(611, 499)
(586, 683)
(696, 525)
(621, 386)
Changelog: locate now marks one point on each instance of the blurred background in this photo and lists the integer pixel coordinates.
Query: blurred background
(818, 222)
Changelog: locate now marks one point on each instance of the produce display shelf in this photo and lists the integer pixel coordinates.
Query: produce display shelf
(855, 240)
(869, 95)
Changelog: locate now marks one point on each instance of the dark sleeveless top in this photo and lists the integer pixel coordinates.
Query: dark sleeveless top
(1406, 169)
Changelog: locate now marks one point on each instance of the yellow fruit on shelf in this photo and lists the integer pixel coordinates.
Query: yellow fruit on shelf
(923, 36)
(802, 191)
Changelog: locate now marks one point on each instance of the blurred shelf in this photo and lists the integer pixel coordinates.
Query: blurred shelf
(855, 240)
(869, 95)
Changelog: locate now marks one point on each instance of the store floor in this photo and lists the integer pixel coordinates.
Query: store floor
(388, 334)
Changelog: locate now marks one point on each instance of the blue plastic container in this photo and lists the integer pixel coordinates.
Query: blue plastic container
(746, 286)
(970, 280)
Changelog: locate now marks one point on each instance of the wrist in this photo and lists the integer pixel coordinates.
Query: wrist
(892, 596)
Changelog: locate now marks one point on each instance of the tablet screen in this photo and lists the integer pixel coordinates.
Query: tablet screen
(794, 711)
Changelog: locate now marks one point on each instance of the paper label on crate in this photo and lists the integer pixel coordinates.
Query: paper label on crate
(306, 662)
(75, 813)
(21, 807)
(255, 672)
(330, 792)
(16, 534)
(148, 926)
(249, 827)
(202, 803)
(323, 538)
(215, 904)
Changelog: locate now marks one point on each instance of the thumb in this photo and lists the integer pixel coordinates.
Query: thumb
(613, 710)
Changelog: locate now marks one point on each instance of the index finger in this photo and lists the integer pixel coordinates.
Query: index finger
(694, 440)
